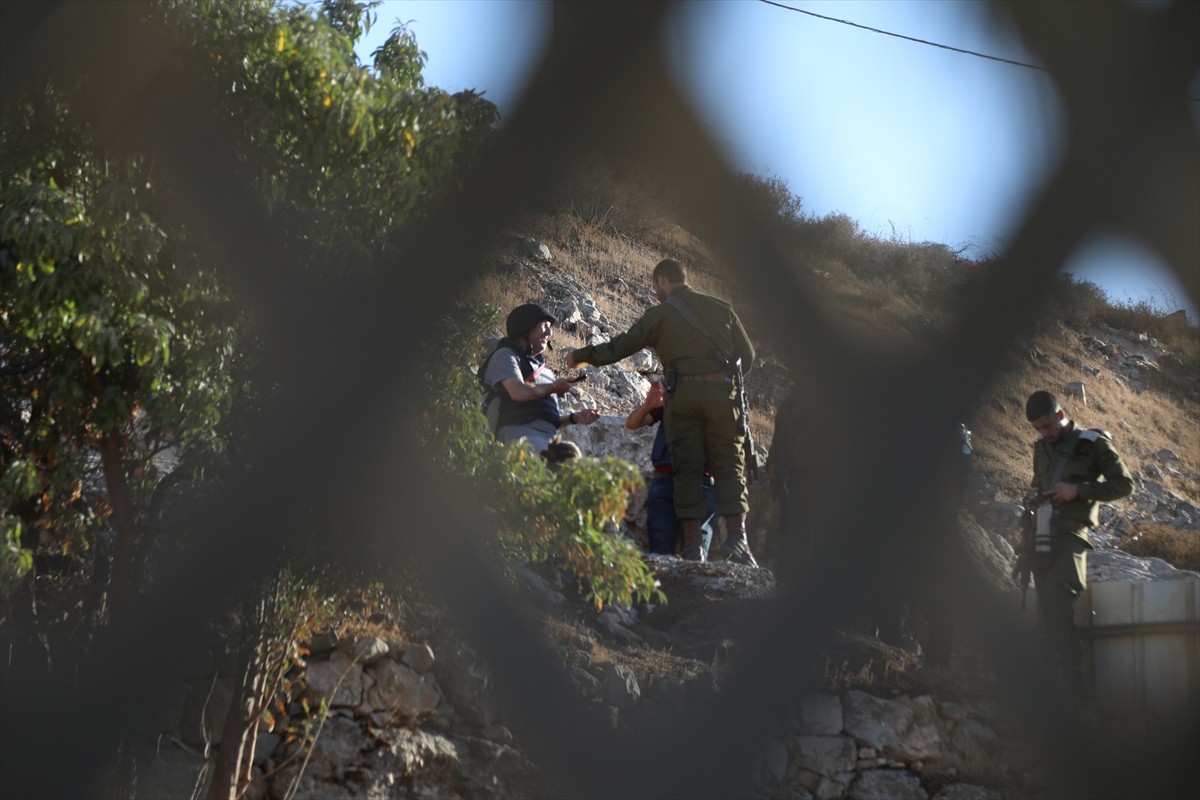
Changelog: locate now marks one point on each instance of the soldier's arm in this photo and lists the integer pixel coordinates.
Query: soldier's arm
(1117, 481)
(640, 416)
(622, 346)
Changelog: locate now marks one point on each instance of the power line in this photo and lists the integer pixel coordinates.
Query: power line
(902, 36)
(915, 39)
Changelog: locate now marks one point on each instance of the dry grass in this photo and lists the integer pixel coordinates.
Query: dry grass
(890, 299)
(882, 314)
(1142, 422)
(1179, 548)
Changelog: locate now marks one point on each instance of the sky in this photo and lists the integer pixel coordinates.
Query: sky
(912, 141)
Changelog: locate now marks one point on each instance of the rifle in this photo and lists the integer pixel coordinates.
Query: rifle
(747, 437)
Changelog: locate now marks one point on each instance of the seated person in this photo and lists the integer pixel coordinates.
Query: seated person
(524, 392)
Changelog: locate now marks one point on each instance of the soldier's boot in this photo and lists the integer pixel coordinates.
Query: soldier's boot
(693, 541)
(736, 547)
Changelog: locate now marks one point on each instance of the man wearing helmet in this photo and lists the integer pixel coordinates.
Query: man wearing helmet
(523, 401)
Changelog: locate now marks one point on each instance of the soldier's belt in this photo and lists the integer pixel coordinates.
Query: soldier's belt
(716, 377)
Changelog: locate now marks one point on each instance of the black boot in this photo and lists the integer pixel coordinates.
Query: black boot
(693, 541)
(736, 546)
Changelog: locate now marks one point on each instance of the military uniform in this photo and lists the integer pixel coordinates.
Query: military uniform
(1089, 456)
(702, 416)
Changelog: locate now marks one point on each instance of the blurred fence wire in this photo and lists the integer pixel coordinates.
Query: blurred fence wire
(604, 86)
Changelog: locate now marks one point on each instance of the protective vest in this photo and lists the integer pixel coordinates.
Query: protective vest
(512, 412)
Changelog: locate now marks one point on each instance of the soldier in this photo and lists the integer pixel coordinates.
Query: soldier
(699, 339)
(1073, 472)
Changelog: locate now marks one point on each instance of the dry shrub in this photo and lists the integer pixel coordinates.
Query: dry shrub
(500, 290)
(1170, 329)
(1078, 302)
(613, 197)
(1178, 547)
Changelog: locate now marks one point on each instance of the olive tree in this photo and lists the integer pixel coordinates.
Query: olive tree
(123, 350)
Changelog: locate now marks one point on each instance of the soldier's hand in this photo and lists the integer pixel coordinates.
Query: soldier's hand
(571, 364)
(1062, 492)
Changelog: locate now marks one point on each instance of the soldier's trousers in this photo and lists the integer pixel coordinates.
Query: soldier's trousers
(1057, 587)
(703, 421)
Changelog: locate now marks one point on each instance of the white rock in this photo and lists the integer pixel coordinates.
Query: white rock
(825, 755)
(399, 689)
(821, 714)
(338, 681)
(905, 728)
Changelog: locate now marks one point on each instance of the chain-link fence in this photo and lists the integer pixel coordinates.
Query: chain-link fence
(1131, 164)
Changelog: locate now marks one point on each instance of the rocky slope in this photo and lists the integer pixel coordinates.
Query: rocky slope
(412, 711)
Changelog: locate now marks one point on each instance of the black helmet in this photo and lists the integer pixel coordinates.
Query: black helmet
(522, 319)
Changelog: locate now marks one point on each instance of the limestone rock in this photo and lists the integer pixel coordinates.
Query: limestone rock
(825, 755)
(886, 784)
(399, 690)
(338, 681)
(821, 714)
(417, 657)
(904, 728)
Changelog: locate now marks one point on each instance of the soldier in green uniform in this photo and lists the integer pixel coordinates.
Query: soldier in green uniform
(697, 338)
(1073, 472)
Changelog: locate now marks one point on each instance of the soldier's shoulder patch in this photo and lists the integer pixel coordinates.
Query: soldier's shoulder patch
(1096, 436)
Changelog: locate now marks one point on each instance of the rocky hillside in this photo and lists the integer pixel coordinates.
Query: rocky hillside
(412, 712)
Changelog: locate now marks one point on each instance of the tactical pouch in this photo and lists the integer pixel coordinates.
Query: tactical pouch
(672, 379)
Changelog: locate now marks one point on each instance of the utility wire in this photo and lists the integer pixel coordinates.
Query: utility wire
(918, 41)
(902, 36)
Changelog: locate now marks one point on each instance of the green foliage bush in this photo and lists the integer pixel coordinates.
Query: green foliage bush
(348, 155)
(567, 515)
(119, 338)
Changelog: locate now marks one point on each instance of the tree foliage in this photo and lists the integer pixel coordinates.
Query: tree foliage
(116, 341)
(122, 353)
(348, 154)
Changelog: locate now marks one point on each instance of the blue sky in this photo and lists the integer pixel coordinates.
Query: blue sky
(911, 141)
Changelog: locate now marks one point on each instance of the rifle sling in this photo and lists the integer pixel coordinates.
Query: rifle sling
(677, 303)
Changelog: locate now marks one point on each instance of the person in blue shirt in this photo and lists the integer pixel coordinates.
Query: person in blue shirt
(663, 528)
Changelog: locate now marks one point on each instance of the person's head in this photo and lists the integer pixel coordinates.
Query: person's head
(531, 324)
(667, 274)
(1045, 415)
(559, 451)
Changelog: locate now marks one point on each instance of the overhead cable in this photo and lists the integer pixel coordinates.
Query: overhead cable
(915, 39)
(902, 36)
